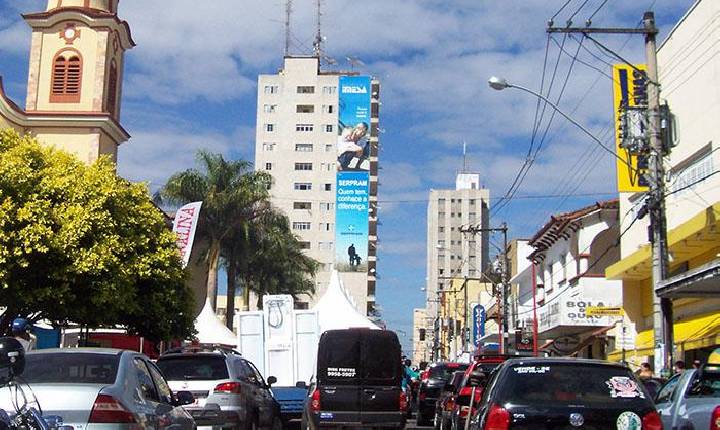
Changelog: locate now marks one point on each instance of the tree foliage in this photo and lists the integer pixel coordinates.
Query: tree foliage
(78, 243)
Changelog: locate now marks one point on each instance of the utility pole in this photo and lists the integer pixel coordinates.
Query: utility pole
(662, 308)
(502, 300)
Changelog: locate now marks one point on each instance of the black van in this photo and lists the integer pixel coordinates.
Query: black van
(358, 381)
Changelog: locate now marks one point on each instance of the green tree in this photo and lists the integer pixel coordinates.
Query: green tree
(78, 243)
(272, 261)
(232, 194)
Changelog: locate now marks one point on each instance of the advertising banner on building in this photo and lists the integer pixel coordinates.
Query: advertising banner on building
(184, 225)
(351, 221)
(353, 123)
(629, 90)
(479, 318)
(572, 313)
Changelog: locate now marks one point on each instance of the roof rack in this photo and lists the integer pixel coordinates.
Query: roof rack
(203, 347)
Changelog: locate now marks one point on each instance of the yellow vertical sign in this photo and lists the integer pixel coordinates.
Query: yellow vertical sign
(629, 90)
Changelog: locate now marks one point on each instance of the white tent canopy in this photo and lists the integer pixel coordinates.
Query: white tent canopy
(336, 309)
(211, 330)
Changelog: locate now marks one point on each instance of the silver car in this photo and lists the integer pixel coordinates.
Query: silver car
(100, 389)
(691, 400)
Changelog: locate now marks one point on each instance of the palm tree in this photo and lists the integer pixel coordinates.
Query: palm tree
(232, 195)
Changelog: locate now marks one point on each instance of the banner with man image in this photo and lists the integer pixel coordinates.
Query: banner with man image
(354, 123)
(351, 221)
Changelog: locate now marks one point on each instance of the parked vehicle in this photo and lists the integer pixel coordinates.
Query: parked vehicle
(431, 387)
(111, 388)
(358, 381)
(554, 393)
(691, 400)
(229, 391)
(446, 402)
(475, 377)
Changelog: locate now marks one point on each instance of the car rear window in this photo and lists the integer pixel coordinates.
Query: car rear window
(445, 371)
(706, 384)
(193, 368)
(71, 368)
(381, 363)
(576, 383)
(339, 358)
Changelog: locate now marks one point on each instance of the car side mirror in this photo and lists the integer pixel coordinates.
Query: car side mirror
(271, 380)
(184, 398)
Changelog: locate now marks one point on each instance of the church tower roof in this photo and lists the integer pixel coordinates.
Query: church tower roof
(109, 6)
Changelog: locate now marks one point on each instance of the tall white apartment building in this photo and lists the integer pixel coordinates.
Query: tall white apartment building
(296, 142)
(450, 252)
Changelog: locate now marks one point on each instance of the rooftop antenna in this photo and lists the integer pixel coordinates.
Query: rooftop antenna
(354, 62)
(465, 169)
(288, 13)
(317, 44)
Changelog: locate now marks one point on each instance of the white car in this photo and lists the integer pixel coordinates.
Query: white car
(100, 389)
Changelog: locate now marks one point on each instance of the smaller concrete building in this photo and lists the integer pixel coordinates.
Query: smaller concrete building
(570, 254)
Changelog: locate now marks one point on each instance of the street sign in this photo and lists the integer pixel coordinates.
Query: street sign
(479, 317)
(603, 311)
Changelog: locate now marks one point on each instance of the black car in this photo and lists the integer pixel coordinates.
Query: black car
(358, 381)
(557, 393)
(431, 388)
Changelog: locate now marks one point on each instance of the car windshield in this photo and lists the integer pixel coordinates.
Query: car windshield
(71, 368)
(445, 371)
(196, 367)
(576, 383)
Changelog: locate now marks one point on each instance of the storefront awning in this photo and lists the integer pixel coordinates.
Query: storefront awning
(703, 281)
(693, 333)
(690, 239)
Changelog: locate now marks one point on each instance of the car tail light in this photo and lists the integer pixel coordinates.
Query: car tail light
(498, 418)
(228, 387)
(108, 410)
(403, 401)
(715, 420)
(315, 401)
(465, 392)
(651, 421)
(425, 375)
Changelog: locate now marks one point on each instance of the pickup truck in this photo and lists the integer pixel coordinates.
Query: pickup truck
(691, 400)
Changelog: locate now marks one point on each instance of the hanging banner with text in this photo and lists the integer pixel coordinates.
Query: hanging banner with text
(629, 90)
(184, 225)
(353, 149)
(351, 221)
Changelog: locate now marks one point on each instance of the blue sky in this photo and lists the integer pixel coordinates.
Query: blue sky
(191, 83)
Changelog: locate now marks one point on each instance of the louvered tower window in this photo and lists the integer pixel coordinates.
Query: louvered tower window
(66, 78)
(112, 89)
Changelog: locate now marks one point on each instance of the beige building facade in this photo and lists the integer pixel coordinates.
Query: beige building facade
(296, 142)
(75, 79)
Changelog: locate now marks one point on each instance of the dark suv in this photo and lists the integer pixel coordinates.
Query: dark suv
(357, 382)
(229, 390)
(556, 393)
(431, 387)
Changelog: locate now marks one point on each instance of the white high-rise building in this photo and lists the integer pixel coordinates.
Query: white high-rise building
(450, 252)
(297, 140)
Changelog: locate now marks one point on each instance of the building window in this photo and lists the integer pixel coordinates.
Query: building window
(328, 108)
(302, 205)
(271, 89)
(301, 226)
(687, 179)
(304, 127)
(327, 206)
(112, 89)
(270, 127)
(441, 201)
(329, 148)
(325, 246)
(303, 166)
(441, 229)
(267, 146)
(441, 214)
(329, 90)
(329, 128)
(303, 186)
(66, 78)
(472, 202)
(328, 187)
(472, 216)
(305, 89)
(268, 166)
(303, 147)
(270, 108)
(304, 244)
(563, 267)
(326, 226)
(305, 109)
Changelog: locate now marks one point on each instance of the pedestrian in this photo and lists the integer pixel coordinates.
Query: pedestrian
(352, 254)
(697, 364)
(679, 366)
(21, 332)
(645, 371)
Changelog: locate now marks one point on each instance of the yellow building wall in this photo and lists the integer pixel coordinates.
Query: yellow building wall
(85, 144)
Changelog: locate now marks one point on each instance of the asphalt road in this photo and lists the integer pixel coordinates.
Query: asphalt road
(412, 424)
